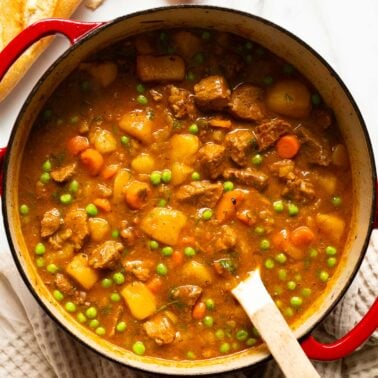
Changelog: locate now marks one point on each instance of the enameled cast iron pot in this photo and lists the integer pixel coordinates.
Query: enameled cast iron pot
(89, 37)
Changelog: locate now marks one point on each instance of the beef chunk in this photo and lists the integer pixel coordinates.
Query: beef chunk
(64, 284)
(323, 118)
(212, 93)
(161, 329)
(80, 297)
(77, 221)
(231, 65)
(115, 315)
(181, 102)
(314, 149)
(138, 268)
(64, 173)
(186, 294)
(248, 176)
(239, 143)
(269, 132)
(50, 222)
(200, 193)
(282, 168)
(225, 239)
(211, 157)
(247, 102)
(57, 240)
(106, 256)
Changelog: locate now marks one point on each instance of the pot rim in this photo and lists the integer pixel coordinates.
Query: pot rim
(111, 23)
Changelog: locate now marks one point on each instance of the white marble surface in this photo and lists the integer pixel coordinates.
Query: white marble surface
(344, 32)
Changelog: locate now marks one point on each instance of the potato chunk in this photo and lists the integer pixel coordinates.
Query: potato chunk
(105, 73)
(139, 299)
(104, 141)
(79, 269)
(183, 148)
(180, 172)
(121, 180)
(197, 273)
(98, 228)
(143, 163)
(160, 68)
(289, 97)
(137, 124)
(186, 44)
(331, 225)
(164, 224)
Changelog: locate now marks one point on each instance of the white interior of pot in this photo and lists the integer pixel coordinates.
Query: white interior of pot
(286, 47)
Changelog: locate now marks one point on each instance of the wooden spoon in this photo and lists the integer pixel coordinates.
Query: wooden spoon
(268, 320)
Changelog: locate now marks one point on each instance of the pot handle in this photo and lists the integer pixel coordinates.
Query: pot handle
(73, 30)
(348, 343)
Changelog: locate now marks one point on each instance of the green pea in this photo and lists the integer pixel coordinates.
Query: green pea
(268, 80)
(100, 331)
(331, 262)
(224, 348)
(251, 341)
(40, 262)
(330, 250)
(121, 326)
(219, 334)
(291, 285)
(52, 268)
(269, 264)
(140, 88)
(264, 244)
(257, 159)
(166, 176)
(196, 176)
(40, 249)
(208, 321)
(313, 253)
(70, 306)
(24, 209)
(281, 258)
(142, 100)
(189, 251)
(94, 323)
(198, 58)
(47, 166)
(248, 58)
(44, 178)
(161, 269)
(115, 234)
(259, 230)
(167, 251)
(85, 85)
(115, 297)
(248, 45)
(91, 210)
(81, 318)
(155, 178)
(296, 301)
(316, 99)
(288, 69)
(278, 206)
(153, 244)
(336, 201)
(73, 187)
(288, 312)
(190, 76)
(65, 199)
(58, 295)
(282, 274)
(193, 129)
(190, 355)
(207, 214)
(228, 186)
(125, 140)
(47, 114)
(139, 348)
(210, 304)
(260, 51)
(118, 278)
(242, 335)
(162, 202)
(91, 312)
(306, 292)
(106, 283)
(298, 277)
(74, 120)
(205, 35)
(292, 209)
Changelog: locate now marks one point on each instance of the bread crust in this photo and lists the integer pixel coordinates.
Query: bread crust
(16, 15)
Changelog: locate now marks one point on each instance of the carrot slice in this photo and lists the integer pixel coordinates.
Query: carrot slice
(103, 204)
(302, 236)
(280, 240)
(199, 311)
(155, 284)
(177, 258)
(221, 123)
(136, 194)
(77, 144)
(228, 204)
(109, 171)
(288, 146)
(92, 160)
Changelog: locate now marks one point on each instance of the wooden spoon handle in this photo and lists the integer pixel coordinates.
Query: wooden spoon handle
(282, 343)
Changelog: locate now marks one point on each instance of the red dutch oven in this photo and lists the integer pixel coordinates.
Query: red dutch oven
(89, 37)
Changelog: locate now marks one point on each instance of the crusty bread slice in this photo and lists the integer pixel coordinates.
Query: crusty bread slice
(16, 15)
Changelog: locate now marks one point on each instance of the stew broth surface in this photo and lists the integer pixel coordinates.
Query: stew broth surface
(163, 170)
